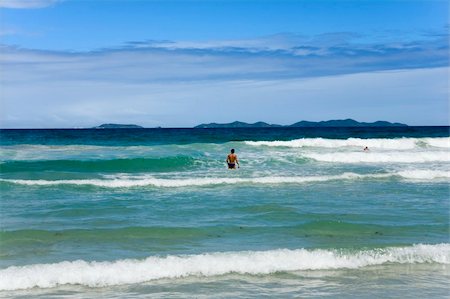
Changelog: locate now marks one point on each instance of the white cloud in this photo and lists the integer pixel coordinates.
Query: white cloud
(24, 4)
(192, 83)
(337, 43)
(280, 56)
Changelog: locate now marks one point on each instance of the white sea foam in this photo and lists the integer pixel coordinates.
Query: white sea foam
(381, 157)
(424, 174)
(146, 181)
(381, 143)
(437, 142)
(126, 182)
(100, 274)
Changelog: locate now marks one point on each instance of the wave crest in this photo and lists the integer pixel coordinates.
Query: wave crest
(275, 180)
(101, 274)
(382, 143)
(380, 157)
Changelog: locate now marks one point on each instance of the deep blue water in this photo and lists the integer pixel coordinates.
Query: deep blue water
(189, 135)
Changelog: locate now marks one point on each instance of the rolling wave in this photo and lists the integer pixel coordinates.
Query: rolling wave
(381, 143)
(380, 157)
(274, 180)
(130, 271)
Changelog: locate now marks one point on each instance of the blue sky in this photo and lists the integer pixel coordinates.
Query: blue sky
(180, 63)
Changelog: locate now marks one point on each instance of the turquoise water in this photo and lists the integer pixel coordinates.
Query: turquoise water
(155, 212)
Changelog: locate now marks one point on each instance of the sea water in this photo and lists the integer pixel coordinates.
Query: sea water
(132, 213)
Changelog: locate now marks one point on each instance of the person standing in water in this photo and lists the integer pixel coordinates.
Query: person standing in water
(232, 160)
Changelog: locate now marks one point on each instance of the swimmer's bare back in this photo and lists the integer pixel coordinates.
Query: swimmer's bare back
(232, 160)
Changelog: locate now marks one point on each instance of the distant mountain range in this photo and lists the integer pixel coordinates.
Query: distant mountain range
(260, 124)
(305, 124)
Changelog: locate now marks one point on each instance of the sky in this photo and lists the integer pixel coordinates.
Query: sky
(81, 63)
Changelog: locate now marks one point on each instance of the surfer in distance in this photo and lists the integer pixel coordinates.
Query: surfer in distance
(232, 160)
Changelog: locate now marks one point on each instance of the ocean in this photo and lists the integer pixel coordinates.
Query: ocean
(139, 213)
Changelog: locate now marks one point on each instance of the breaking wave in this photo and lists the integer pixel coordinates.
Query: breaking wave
(158, 182)
(382, 143)
(380, 157)
(129, 271)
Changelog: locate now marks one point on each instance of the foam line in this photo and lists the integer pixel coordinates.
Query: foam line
(424, 174)
(381, 143)
(380, 157)
(129, 271)
(156, 182)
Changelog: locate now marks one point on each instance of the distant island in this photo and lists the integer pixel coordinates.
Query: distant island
(118, 126)
(305, 124)
(261, 124)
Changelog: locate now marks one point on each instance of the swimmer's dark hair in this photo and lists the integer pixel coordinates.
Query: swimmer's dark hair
(232, 150)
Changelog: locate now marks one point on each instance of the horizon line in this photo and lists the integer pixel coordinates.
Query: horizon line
(160, 127)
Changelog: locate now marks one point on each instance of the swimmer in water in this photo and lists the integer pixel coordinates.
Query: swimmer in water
(232, 160)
